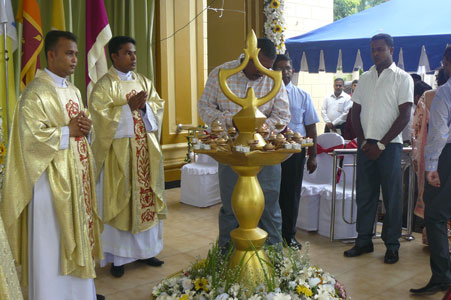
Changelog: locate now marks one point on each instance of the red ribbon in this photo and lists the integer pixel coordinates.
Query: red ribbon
(351, 145)
(320, 149)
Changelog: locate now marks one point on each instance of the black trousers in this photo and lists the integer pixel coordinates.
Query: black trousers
(290, 193)
(436, 215)
(383, 172)
(341, 127)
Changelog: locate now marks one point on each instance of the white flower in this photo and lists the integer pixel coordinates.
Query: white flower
(223, 296)
(270, 296)
(165, 296)
(260, 289)
(292, 284)
(277, 290)
(323, 296)
(234, 289)
(255, 297)
(312, 282)
(187, 284)
(172, 281)
(329, 279)
(280, 296)
(326, 289)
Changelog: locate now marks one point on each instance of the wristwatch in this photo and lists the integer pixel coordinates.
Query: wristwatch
(380, 146)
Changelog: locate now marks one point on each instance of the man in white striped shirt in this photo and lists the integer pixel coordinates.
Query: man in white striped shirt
(214, 105)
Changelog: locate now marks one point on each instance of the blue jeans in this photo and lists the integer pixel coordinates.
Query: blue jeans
(271, 220)
(383, 172)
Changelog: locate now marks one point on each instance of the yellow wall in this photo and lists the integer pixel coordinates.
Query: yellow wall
(227, 33)
(185, 58)
(180, 65)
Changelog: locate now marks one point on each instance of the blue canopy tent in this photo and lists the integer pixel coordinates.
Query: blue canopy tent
(412, 24)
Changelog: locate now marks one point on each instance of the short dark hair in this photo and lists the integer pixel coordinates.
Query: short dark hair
(447, 54)
(339, 79)
(383, 36)
(282, 57)
(420, 87)
(115, 44)
(415, 77)
(52, 37)
(267, 47)
(441, 77)
(354, 81)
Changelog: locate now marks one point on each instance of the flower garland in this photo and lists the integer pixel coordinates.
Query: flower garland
(294, 278)
(275, 23)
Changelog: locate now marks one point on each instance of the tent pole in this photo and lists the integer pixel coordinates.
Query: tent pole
(6, 75)
(19, 58)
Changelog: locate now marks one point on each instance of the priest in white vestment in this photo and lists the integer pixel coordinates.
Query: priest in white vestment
(49, 202)
(127, 114)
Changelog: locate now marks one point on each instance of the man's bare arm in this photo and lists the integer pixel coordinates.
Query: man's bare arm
(356, 123)
(399, 124)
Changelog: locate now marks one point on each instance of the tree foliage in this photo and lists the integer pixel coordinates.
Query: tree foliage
(344, 8)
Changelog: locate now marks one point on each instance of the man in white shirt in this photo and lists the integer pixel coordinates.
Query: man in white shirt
(382, 104)
(335, 108)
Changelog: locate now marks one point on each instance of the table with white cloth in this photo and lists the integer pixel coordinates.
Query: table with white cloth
(200, 182)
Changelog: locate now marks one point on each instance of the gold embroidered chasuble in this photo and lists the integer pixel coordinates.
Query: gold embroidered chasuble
(133, 193)
(9, 284)
(34, 146)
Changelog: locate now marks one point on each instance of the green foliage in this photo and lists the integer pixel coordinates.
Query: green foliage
(344, 8)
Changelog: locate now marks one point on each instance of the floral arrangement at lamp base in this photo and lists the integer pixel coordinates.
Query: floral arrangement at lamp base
(293, 278)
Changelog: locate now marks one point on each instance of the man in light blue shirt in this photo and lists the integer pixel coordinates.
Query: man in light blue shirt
(303, 120)
(437, 191)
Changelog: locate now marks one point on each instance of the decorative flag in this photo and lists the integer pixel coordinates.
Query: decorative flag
(7, 17)
(98, 33)
(32, 39)
(58, 22)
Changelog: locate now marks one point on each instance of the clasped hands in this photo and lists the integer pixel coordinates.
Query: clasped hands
(138, 101)
(80, 125)
(372, 151)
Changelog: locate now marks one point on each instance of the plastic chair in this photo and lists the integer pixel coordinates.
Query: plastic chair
(314, 184)
(200, 183)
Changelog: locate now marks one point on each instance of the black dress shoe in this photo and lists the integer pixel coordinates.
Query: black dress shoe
(294, 243)
(359, 250)
(117, 271)
(391, 256)
(431, 288)
(153, 261)
(100, 297)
